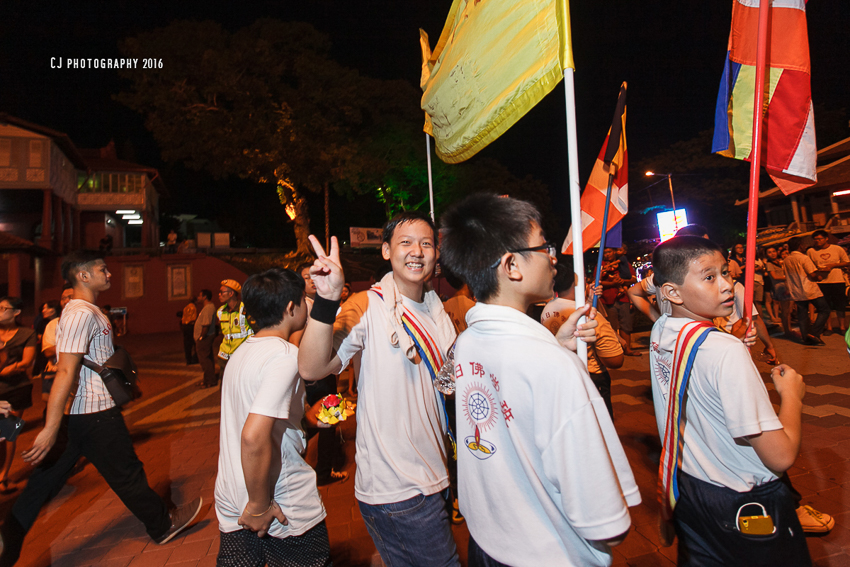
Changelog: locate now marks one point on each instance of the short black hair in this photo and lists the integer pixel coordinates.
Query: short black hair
(671, 259)
(207, 293)
(403, 218)
(76, 261)
(477, 231)
(267, 294)
(565, 275)
(693, 230)
(794, 243)
(66, 285)
(820, 232)
(16, 303)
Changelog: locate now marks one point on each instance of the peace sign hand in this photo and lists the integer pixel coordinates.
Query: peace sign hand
(326, 271)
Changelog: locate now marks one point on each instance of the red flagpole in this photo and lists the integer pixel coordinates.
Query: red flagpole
(755, 163)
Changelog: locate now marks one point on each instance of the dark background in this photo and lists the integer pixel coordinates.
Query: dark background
(670, 52)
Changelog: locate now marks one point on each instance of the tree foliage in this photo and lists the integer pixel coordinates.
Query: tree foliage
(265, 103)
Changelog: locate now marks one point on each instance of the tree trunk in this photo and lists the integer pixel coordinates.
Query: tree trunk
(296, 210)
(301, 224)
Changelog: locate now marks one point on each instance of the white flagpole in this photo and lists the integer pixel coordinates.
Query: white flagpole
(575, 198)
(430, 180)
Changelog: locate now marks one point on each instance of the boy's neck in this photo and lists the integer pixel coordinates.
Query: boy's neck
(413, 291)
(282, 331)
(509, 298)
(680, 311)
(85, 293)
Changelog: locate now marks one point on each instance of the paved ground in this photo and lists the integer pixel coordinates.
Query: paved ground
(175, 428)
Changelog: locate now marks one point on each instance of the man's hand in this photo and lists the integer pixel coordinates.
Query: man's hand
(311, 414)
(326, 271)
(572, 330)
(42, 445)
(788, 383)
(261, 524)
(5, 408)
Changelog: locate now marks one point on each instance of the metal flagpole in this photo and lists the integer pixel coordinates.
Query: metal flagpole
(755, 164)
(430, 180)
(575, 198)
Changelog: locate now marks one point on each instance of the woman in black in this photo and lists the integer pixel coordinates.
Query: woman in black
(17, 355)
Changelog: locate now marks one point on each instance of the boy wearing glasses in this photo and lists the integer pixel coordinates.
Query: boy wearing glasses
(543, 478)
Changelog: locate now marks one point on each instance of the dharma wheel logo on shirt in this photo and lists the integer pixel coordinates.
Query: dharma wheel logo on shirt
(480, 411)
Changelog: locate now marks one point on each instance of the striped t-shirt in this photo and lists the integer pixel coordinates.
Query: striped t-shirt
(83, 329)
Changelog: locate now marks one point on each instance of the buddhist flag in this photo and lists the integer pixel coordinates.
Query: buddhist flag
(494, 61)
(788, 149)
(613, 159)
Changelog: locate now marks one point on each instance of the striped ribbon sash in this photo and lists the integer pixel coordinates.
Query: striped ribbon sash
(430, 352)
(688, 342)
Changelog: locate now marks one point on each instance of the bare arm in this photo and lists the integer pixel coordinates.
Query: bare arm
(261, 438)
(67, 370)
(640, 299)
(316, 355)
(612, 362)
(778, 449)
(22, 365)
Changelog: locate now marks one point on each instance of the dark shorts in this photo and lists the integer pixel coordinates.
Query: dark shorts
(834, 294)
(705, 521)
(243, 548)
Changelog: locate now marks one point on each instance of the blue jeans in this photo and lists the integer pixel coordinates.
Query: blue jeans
(478, 557)
(412, 532)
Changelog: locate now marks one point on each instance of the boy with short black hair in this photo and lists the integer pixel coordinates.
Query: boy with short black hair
(543, 478)
(722, 453)
(262, 404)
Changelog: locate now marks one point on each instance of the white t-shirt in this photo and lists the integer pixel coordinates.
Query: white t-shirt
(262, 378)
(607, 344)
(552, 475)
(400, 425)
(798, 266)
(84, 329)
(727, 400)
(832, 254)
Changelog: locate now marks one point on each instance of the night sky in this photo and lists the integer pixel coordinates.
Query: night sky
(671, 54)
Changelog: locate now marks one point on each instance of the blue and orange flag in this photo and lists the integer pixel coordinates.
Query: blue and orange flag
(613, 158)
(789, 151)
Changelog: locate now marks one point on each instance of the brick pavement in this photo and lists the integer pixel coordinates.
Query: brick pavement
(175, 429)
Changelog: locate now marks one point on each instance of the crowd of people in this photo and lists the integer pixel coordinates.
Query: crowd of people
(521, 444)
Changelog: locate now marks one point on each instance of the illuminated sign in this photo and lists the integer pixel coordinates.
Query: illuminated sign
(667, 225)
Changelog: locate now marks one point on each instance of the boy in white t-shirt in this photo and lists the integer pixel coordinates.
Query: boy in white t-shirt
(402, 333)
(262, 406)
(733, 445)
(543, 478)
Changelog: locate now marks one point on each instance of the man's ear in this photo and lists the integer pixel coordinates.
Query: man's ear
(510, 267)
(670, 292)
(385, 250)
(289, 310)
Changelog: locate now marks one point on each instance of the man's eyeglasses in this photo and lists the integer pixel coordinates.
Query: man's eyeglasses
(548, 247)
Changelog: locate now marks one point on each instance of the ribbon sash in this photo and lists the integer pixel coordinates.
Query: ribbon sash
(430, 353)
(688, 342)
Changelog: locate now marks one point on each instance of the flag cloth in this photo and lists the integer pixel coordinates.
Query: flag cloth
(613, 158)
(494, 61)
(789, 152)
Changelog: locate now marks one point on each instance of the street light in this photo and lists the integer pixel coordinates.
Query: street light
(672, 198)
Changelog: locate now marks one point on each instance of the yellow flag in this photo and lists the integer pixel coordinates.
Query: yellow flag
(494, 61)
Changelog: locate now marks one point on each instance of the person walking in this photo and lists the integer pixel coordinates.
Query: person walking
(96, 428)
(800, 277)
